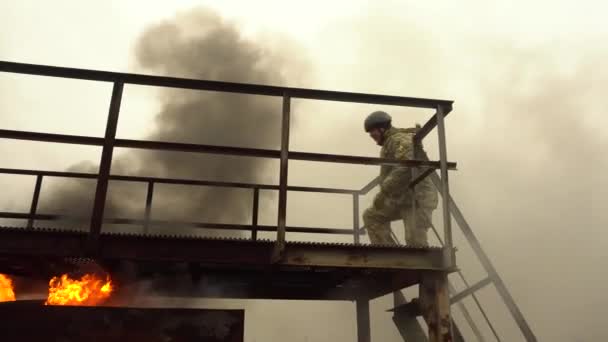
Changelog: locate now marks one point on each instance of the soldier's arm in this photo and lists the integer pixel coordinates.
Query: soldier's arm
(398, 179)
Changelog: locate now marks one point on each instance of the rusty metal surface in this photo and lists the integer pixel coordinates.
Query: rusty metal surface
(32, 321)
(240, 268)
(56, 243)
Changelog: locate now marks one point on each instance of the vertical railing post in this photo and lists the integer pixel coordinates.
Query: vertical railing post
(34, 206)
(104, 166)
(445, 190)
(281, 222)
(254, 214)
(411, 219)
(356, 219)
(148, 206)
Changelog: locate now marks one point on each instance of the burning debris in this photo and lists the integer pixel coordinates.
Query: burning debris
(7, 291)
(89, 290)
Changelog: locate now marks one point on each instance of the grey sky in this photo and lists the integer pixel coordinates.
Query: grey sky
(528, 128)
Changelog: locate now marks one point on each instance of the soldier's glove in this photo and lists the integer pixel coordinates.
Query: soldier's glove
(379, 200)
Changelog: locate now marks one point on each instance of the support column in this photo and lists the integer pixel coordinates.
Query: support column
(363, 322)
(435, 306)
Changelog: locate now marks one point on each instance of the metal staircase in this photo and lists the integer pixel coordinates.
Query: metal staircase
(405, 313)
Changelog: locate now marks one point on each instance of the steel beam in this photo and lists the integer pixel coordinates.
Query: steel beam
(230, 87)
(21, 242)
(179, 181)
(445, 189)
(283, 174)
(105, 165)
(470, 290)
(35, 198)
(171, 224)
(214, 149)
(355, 256)
(431, 124)
(356, 214)
(363, 321)
(254, 214)
(51, 137)
(148, 212)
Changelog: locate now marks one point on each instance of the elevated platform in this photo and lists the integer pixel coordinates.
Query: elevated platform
(223, 268)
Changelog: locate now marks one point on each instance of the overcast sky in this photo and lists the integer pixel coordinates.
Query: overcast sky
(528, 128)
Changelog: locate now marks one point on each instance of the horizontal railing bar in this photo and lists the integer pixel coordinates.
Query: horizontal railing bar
(333, 158)
(51, 137)
(204, 225)
(213, 149)
(48, 173)
(174, 181)
(196, 148)
(231, 87)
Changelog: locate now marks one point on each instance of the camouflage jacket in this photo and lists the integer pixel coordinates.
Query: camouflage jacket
(398, 144)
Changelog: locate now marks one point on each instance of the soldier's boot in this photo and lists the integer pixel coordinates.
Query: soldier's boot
(417, 237)
(380, 233)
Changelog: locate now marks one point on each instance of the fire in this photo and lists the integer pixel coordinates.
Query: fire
(89, 290)
(7, 293)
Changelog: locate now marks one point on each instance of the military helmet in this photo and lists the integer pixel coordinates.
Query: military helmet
(377, 119)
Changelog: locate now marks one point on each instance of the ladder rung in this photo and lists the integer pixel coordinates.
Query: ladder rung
(477, 286)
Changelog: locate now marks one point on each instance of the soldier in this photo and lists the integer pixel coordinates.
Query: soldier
(394, 201)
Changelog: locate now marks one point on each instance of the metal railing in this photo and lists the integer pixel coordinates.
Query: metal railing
(110, 141)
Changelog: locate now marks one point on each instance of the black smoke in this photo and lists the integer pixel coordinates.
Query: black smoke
(196, 44)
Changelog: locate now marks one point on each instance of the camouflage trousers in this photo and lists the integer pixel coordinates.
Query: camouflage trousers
(377, 220)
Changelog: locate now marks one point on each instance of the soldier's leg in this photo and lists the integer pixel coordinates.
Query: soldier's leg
(376, 220)
(417, 234)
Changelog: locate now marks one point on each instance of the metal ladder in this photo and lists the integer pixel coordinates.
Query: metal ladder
(405, 313)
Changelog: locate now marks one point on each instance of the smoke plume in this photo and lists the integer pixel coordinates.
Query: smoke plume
(197, 44)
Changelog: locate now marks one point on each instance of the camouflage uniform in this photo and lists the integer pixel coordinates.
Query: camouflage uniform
(394, 201)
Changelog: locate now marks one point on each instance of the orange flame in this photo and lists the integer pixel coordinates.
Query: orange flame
(89, 290)
(7, 293)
